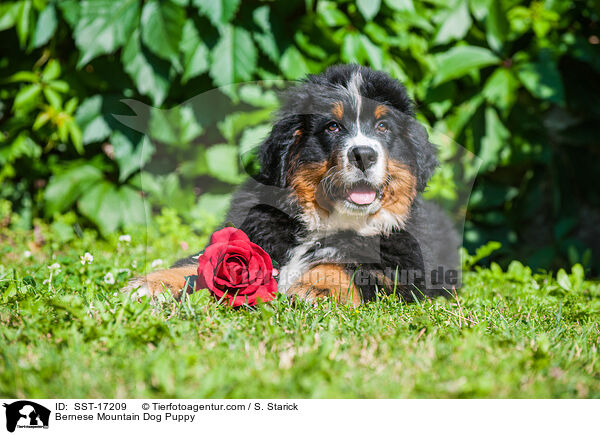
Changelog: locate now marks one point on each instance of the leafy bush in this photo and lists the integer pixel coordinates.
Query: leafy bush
(513, 81)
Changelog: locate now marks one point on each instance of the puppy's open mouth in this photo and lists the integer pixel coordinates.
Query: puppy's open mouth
(362, 194)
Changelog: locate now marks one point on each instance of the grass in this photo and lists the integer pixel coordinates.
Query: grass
(507, 334)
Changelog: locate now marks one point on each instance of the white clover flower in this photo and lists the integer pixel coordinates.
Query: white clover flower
(27, 254)
(87, 258)
(134, 264)
(157, 263)
(109, 278)
(46, 281)
(125, 238)
(54, 267)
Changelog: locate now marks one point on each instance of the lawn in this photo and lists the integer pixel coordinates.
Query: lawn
(510, 333)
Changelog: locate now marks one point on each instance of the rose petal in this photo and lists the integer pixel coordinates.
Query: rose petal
(227, 235)
(231, 271)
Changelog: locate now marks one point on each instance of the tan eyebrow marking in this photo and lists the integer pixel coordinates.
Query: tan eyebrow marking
(380, 111)
(338, 110)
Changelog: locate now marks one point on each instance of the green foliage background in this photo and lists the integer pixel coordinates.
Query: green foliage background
(514, 81)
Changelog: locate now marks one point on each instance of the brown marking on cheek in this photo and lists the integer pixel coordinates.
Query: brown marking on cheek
(326, 280)
(338, 110)
(305, 180)
(401, 189)
(380, 111)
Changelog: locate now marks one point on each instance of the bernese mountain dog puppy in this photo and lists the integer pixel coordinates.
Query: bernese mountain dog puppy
(337, 202)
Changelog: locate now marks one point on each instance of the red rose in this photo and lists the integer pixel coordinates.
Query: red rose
(236, 270)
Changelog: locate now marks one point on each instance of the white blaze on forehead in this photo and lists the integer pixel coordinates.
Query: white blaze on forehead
(354, 90)
(377, 172)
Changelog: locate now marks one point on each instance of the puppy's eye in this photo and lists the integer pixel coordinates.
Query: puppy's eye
(382, 126)
(334, 127)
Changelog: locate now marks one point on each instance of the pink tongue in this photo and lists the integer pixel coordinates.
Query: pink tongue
(362, 196)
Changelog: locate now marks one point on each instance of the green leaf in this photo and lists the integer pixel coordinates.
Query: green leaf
(162, 26)
(23, 21)
(195, 52)
(71, 105)
(401, 5)
(265, 39)
(310, 47)
(234, 57)
(455, 24)
(53, 98)
(440, 99)
(351, 48)
(462, 115)
(75, 135)
(133, 209)
(24, 76)
(131, 152)
(479, 8)
(372, 52)
(496, 136)
(462, 60)
(223, 163)
(256, 96)
(482, 252)
(578, 276)
(26, 98)
(368, 8)
(251, 139)
(177, 126)
(103, 206)
(104, 26)
(500, 89)
(542, 78)
(40, 120)
(219, 12)
(233, 124)
(497, 25)
(8, 14)
(329, 12)
(62, 231)
(211, 205)
(45, 27)
(71, 10)
(150, 74)
(65, 187)
(293, 64)
(51, 71)
(22, 146)
(59, 85)
(563, 280)
(90, 117)
(358, 48)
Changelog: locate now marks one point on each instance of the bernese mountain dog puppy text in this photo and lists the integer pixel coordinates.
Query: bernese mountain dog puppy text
(337, 202)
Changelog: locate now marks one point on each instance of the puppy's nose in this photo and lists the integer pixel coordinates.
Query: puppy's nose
(363, 157)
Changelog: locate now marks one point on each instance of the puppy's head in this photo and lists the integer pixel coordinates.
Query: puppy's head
(347, 143)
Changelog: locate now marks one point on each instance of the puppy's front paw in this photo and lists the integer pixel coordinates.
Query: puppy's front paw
(326, 280)
(172, 280)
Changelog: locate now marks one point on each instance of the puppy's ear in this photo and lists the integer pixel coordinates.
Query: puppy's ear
(425, 155)
(274, 151)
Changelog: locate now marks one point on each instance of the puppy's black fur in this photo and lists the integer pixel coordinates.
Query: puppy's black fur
(417, 239)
